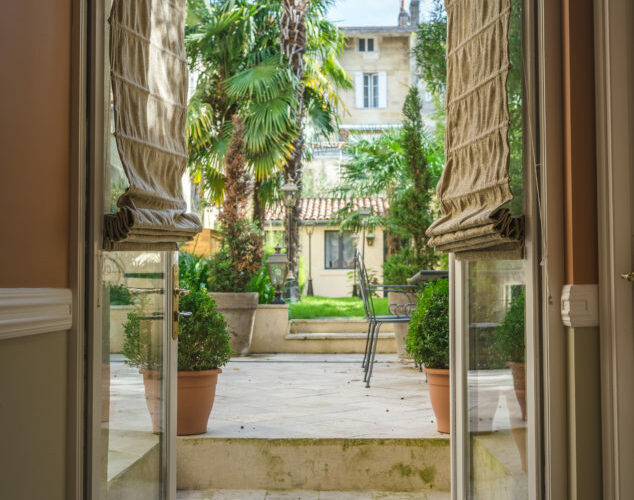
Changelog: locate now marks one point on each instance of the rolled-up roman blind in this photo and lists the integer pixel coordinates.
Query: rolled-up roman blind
(149, 85)
(474, 186)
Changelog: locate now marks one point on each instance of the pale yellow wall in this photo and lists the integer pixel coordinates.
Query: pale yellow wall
(335, 282)
(392, 55)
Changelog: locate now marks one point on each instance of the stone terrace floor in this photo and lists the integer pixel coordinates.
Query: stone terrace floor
(320, 396)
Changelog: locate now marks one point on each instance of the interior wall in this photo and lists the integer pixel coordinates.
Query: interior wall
(35, 89)
(35, 50)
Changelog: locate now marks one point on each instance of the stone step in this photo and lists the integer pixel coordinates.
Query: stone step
(310, 495)
(416, 465)
(335, 336)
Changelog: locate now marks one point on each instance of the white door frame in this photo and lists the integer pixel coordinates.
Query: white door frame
(614, 67)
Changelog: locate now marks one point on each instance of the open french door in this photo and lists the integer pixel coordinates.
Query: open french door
(132, 352)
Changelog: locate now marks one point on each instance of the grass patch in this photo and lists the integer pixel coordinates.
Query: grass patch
(331, 307)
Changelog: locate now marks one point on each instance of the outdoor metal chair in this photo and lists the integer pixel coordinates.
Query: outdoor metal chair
(398, 314)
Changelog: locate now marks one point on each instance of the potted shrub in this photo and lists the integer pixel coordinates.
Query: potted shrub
(510, 345)
(143, 349)
(428, 344)
(203, 349)
(240, 258)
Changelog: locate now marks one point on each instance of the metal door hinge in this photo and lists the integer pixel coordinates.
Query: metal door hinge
(628, 276)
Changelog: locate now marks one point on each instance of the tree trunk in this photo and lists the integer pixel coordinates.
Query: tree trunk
(258, 206)
(293, 44)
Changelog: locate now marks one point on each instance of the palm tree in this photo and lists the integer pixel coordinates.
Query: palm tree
(234, 46)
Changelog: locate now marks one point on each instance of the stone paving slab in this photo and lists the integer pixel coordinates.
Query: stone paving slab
(320, 396)
(307, 495)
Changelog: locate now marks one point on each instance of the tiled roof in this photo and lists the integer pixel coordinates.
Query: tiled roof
(321, 209)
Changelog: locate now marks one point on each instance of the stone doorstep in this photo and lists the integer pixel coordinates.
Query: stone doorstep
(317, 464)
(310, 495)
(335, 336)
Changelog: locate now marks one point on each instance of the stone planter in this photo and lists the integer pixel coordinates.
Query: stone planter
(271, 328)
(118, 318)
(397, 304)
(239, 311)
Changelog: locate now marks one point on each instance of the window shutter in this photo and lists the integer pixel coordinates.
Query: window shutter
(149, 86)
(382, 89)
(358, 90)
(474, 186)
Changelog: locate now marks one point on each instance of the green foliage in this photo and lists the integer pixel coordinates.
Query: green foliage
(203, 338)
(402, 265)
(509, 340)
(234, 47)
(261, 283)
(193, 271)
(120, 295)
(331, 307)
(428, 335)
(430, 49)
(142, 344)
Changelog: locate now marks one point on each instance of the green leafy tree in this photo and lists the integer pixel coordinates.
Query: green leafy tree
(234, 46)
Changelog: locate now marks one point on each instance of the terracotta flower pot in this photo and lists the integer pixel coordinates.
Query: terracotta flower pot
(519, 383)
(152, 382)
(438, 382)
(239, 311)
(196, 394)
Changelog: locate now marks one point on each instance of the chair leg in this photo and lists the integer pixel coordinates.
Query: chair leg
(371, 360)
(367, 343)
(368, 351)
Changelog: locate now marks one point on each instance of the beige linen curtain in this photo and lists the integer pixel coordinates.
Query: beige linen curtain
(149, 85)
(474, 187)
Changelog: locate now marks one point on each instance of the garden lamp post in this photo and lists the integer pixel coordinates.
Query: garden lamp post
(277, 265)
(310, 227)
(355, 286)
(290, 193)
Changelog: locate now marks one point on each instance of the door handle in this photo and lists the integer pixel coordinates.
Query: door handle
(628, 276)
(181, 292)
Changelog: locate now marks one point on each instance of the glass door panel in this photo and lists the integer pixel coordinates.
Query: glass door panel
(496, 380)
(136, 312)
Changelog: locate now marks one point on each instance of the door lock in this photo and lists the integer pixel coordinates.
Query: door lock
(628, 276)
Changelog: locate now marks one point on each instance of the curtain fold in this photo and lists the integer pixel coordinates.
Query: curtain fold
(474, 187)
(149, 80)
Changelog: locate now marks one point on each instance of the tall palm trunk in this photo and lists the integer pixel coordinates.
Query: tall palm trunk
(293, 44)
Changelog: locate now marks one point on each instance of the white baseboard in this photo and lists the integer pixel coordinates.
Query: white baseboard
(33, 311)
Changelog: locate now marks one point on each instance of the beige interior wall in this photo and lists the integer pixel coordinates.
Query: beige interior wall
(35, 72)
(35, 50)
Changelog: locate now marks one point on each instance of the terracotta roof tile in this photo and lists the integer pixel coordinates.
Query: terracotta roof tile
(321, 209)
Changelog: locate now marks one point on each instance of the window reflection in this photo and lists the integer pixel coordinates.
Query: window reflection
(496, 380)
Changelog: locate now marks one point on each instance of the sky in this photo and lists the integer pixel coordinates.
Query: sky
(370, 12)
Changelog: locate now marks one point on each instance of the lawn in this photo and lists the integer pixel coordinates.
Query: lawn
(329, 307)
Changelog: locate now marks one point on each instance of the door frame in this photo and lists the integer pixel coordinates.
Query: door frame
(548, 461)
(91, 207)
(615, 168)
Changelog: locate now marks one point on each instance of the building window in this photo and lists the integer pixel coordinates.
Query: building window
(370, 90)
(366, 44)
(339, 253)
